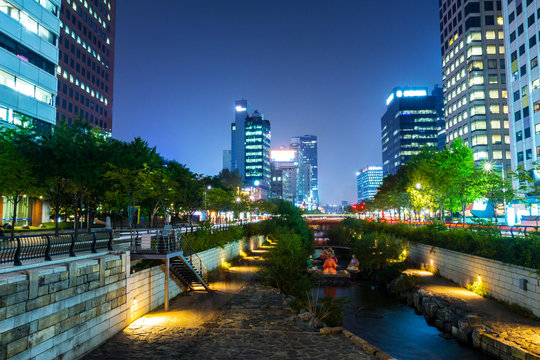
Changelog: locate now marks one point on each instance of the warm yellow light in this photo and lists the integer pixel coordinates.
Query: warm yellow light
(479, 278)
(500, 20)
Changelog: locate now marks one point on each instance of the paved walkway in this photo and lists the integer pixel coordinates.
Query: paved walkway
(243, 320)
(496, 319)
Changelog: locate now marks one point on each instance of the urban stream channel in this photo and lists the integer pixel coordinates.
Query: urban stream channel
(379, 318)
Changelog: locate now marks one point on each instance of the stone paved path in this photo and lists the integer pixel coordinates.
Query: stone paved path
(493, 317)
(254, 324)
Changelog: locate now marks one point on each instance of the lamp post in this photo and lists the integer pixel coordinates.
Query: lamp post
(207, 188)
(237, 204)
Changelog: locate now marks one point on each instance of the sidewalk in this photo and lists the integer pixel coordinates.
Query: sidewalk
(241, 320)
(499, 326)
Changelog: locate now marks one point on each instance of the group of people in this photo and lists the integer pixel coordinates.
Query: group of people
(330, 262)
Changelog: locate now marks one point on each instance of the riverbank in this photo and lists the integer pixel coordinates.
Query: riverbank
(244, 321)
(472, 319)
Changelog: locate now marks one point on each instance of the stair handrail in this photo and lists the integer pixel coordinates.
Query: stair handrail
(190, 254)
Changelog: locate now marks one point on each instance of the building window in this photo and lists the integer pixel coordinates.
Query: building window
(519, 136)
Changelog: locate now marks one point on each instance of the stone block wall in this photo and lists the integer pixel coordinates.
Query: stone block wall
(212, 258)
(61, 310)
(501, 280)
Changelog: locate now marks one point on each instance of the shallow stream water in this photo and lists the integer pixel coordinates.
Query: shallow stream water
(379, 318)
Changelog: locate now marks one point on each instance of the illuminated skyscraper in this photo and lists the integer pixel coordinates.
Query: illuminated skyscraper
(411, 122)
(521, 21)
(474, 82)
(367, 181)
(284, 167)
(242, 110)
(308, 176)
(257, 153)
(28, 59)
(86, 62)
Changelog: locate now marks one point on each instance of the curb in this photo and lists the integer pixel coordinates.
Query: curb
(372, 350)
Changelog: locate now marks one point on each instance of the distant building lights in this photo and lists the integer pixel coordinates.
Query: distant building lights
(413, 93)
(240, 108)
(399, 93)
(389, 99)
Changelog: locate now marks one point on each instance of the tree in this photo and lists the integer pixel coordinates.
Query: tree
(18, 179)
(496, 188)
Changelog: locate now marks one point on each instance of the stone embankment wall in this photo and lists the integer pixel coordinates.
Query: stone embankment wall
(64, 311)
(213, 258)
(501, 280)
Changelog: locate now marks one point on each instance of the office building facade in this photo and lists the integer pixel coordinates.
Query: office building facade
(308, 174)
(86, 63)
(409, 124)
(522, 24)
(29, 32)
(368, 181)
(242, 110)
(284, 169)
(474, 78)
(257, 153)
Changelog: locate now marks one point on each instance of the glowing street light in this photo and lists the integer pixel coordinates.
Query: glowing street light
(418, 186)
(488, 166)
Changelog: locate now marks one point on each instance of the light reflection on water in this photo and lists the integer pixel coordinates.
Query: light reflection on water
(385, 322)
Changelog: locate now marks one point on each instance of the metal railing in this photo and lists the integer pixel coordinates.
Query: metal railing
(505, 230)
(45, 246)
(191, 256)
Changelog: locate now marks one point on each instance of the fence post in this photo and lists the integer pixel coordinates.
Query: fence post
(17, 259)
(48, 249)
(109, 244)
(94, 244)
(72, 246)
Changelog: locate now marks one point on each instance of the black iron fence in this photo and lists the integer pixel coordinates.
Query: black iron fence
(45, 246)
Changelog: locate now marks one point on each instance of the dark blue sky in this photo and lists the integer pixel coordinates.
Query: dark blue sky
(322, 67)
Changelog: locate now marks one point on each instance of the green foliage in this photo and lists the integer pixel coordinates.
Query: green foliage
(207, 238)
(327, 309)
(478, 288)
(404, 282)
(486, 242)
(285, 264)
(390, 272)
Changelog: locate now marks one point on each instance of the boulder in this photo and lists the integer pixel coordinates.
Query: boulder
(316, 323)
(331, 330)
(305, 315)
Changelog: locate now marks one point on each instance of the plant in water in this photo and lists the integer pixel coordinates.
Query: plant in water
(326, 309)
(478, 287)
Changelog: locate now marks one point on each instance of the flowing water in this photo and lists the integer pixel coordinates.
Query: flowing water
(378, 317)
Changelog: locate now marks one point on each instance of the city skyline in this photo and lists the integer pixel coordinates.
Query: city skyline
(298, 90)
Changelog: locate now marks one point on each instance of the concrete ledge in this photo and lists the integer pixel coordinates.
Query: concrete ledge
(372, 350)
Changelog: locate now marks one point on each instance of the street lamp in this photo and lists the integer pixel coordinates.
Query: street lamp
(207, 188)
(418, 186)
(488, 166)
(237, 204)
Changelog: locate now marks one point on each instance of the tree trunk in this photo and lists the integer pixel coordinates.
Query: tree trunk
(56, 207)
(15, 203)
(463, 213)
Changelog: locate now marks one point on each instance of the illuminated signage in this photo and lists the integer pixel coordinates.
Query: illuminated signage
(283, 155)
(240, 108)
(412, 93)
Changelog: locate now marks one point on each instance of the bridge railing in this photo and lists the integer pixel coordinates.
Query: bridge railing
(46, 246)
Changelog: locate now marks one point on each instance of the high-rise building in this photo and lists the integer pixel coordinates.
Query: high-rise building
(257, 153)
(242, 110)
(521, 23)
(284, 168)
(410, 123)
(227, 159)
(441, 123)
(28, 59)
(86, 62)
(308, 176)
(367, 181)
(474, 82)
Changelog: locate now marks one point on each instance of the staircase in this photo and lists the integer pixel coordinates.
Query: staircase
(189, 268)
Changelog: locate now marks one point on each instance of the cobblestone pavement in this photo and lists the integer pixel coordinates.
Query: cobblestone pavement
(492, 317)
(254, 324)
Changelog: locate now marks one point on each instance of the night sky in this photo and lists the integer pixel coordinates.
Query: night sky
(322, 67)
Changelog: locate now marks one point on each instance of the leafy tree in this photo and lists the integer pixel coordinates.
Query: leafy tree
(18, 179)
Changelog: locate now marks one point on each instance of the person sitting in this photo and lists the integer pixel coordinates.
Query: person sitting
(353, 265)
(330, 266)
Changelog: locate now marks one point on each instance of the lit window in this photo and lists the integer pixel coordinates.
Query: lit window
(495, 124)
(494, 94)
(474, 51)
(474, 36)
(494, 109)
(490, 35)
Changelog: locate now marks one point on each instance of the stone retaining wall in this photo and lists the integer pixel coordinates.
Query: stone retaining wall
(501, 280)
(64, 311)
(61, 310)
(213, 258)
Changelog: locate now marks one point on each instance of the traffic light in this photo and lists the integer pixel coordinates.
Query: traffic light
(355, 207)
(362, 207)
